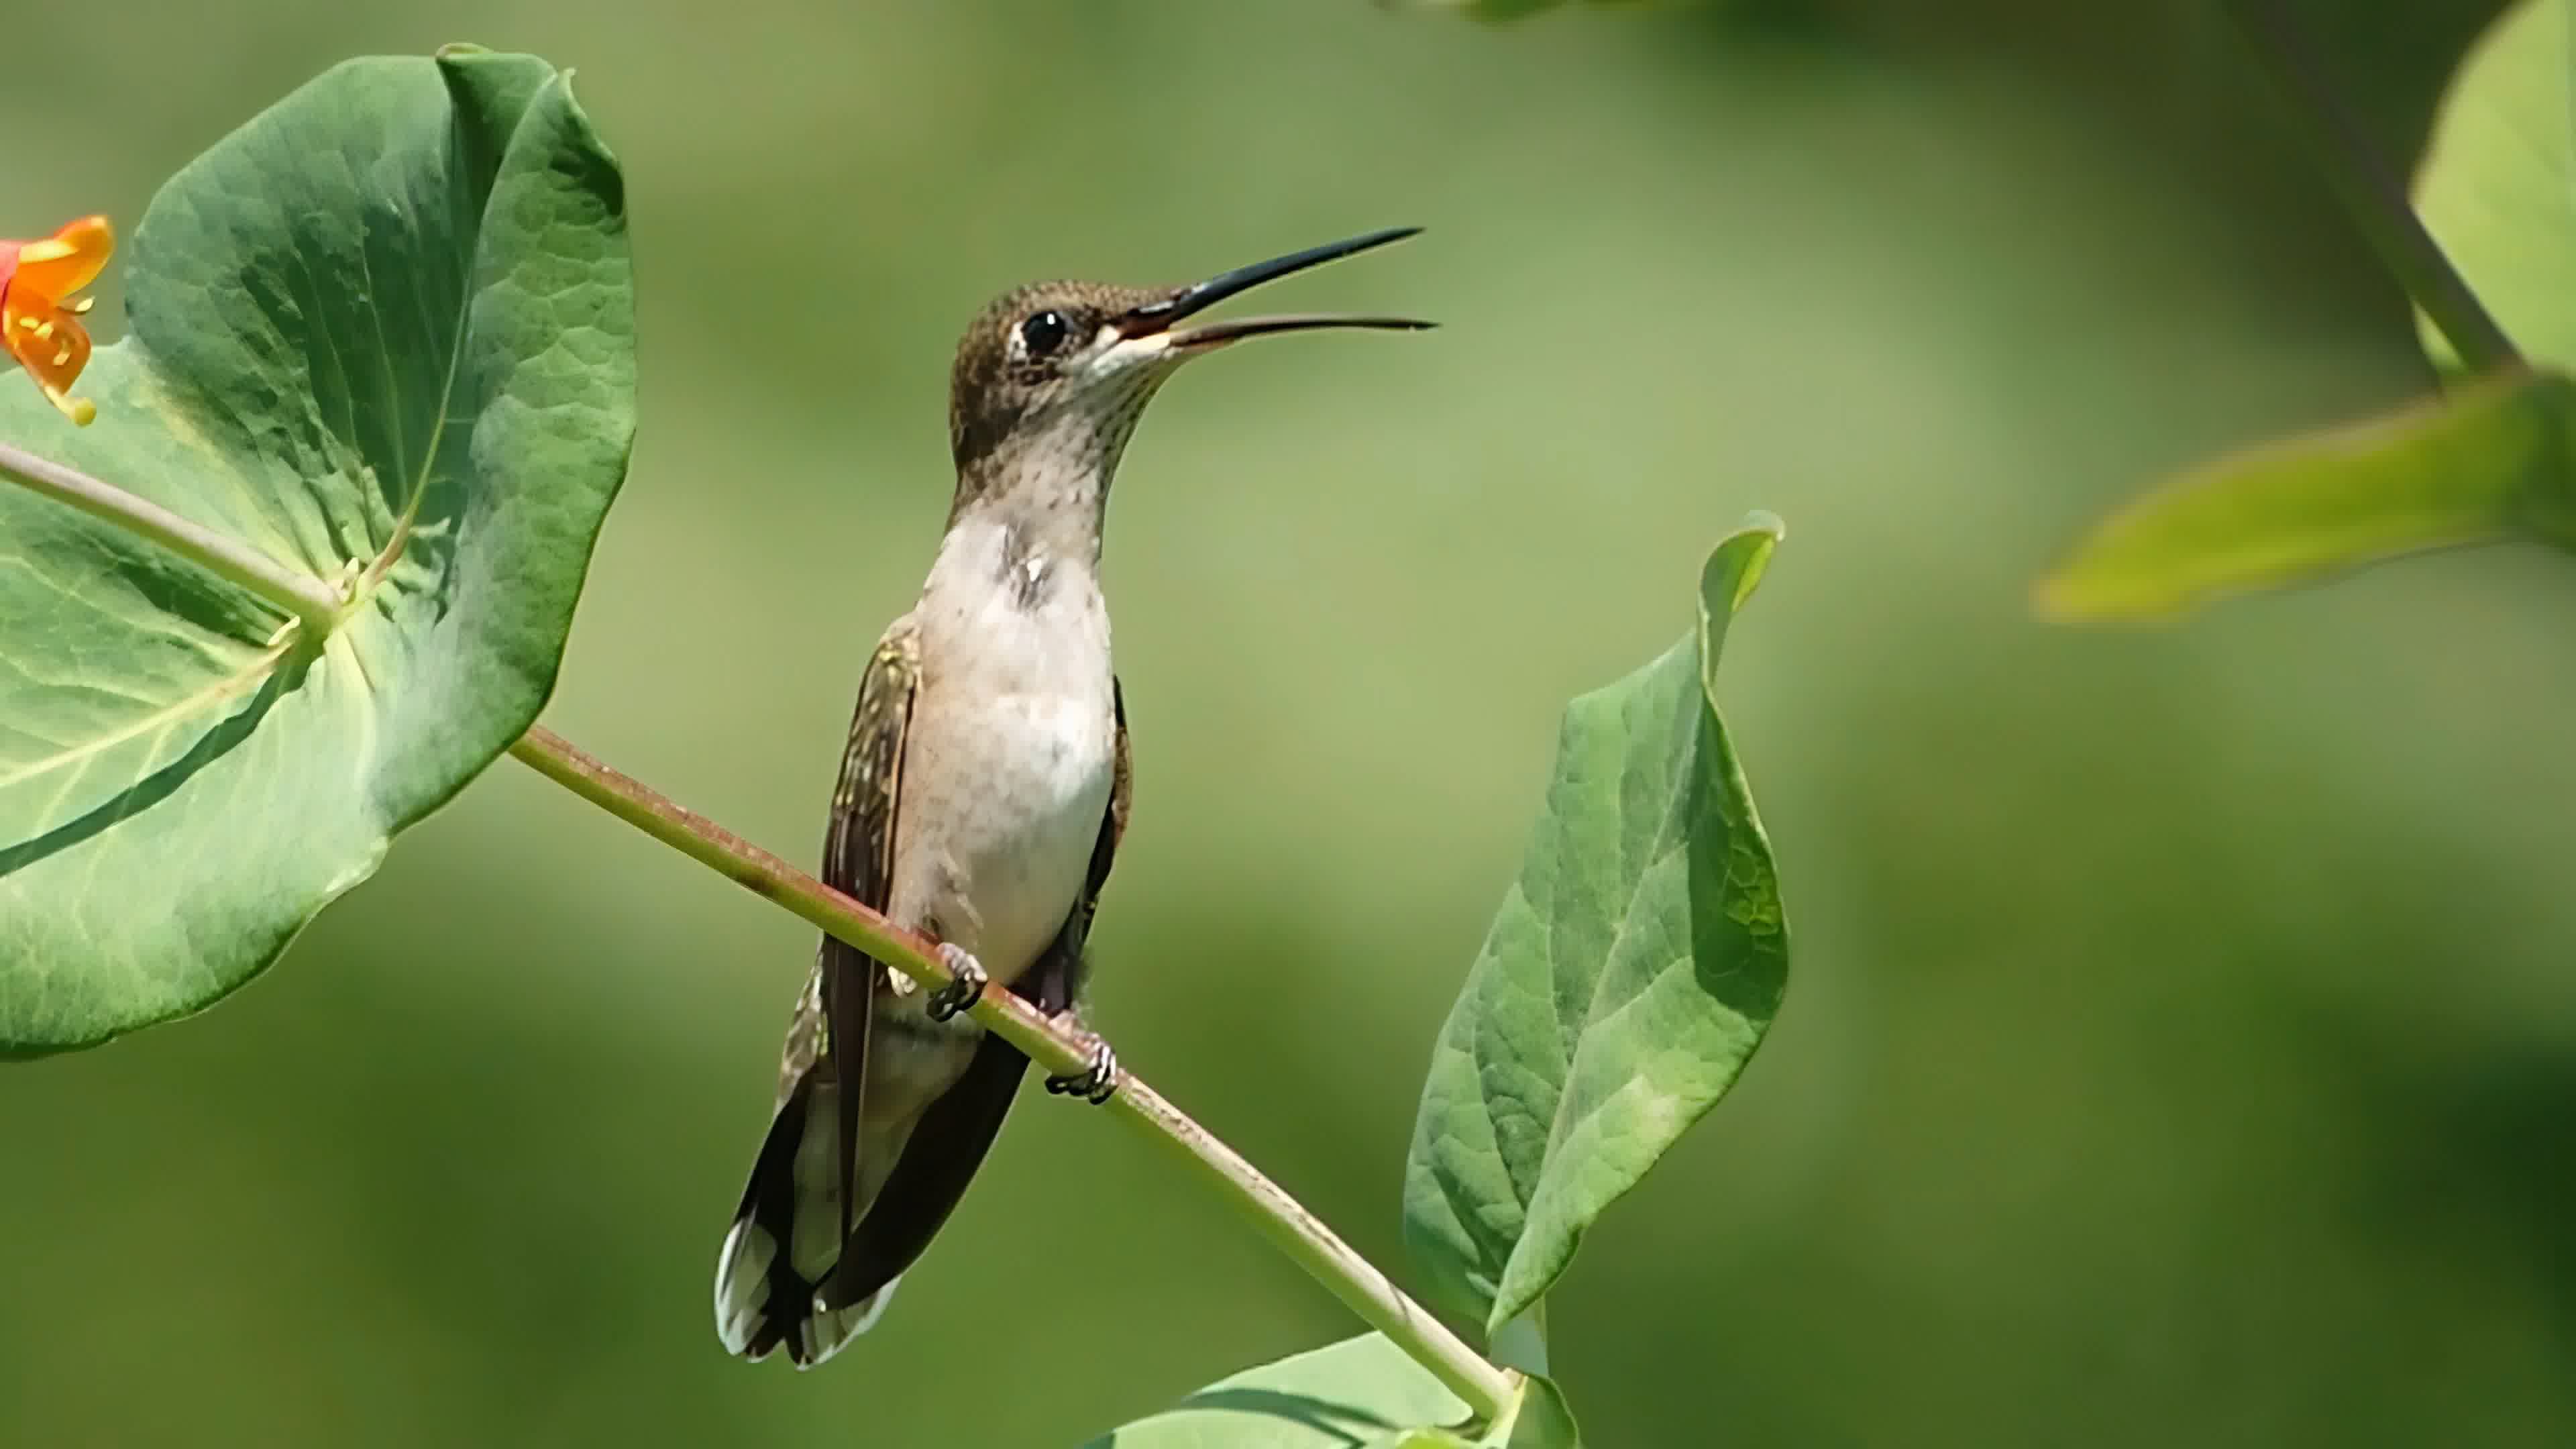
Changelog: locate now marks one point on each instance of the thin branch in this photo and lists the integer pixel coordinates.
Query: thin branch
(1295, 1231)
(298, 595)
(2371, 189)
(1298, 1233)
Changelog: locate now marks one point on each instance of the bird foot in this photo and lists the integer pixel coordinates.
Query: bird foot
(961, 993)
(1095, 1084)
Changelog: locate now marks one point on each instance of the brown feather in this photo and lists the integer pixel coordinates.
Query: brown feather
(828, 1038)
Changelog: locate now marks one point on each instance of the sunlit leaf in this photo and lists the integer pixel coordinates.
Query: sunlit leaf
(1360, 1392)
(1629, 975)
(2498, 184)
(2490, 461)
(1355, 1391)
(383, 332)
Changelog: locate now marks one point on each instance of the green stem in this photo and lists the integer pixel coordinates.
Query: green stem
(1057, 1048)
(1522, 1340)
(2371, 190)
(300, 596)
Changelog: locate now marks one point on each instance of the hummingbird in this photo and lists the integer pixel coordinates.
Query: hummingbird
(981, 799)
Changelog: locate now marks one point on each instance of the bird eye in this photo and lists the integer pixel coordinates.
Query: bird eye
(1043, 332)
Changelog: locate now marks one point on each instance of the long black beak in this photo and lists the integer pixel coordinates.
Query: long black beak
(1159, 317)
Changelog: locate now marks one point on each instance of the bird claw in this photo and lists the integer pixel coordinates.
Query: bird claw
(961, 993)
(1097, 1083)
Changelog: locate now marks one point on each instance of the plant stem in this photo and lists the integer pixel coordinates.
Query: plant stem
(2371, 190)
(298, 595)
(1057, 1048)
(1061, 1050)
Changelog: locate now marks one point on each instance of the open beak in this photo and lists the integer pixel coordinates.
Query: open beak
(1159, 319)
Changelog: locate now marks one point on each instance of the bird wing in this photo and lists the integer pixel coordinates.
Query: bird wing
(762, 1299)
(1112, 830)
(858, 860)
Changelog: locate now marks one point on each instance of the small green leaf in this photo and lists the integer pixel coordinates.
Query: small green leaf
(1362, 1391)
(1626, 980)
(2498, 185)
(1539, 1419)
(386, 326)
(1497, 10)
(2492, 460)
(1536, 1418)
(1357, 1391)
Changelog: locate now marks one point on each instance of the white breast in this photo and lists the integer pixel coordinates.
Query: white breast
(1009, 757)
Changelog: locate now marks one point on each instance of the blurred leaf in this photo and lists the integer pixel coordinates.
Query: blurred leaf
(2498, 183)
(2489, 461)
(389, 321)
(1354, 1392)
(1628, 976)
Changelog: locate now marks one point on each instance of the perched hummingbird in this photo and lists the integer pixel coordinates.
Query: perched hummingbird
(981, 800)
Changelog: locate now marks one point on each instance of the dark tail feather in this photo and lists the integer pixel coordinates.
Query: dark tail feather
(762, 1302)
(950, 1143)
(931, 1175)
(811, 1297)
(797, 1209)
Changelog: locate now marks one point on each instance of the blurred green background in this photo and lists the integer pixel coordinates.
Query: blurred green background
(2181, 1046)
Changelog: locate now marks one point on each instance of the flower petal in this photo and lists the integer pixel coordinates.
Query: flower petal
(52, 346)
(68, 260)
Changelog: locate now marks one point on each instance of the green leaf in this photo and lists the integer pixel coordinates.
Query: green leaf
(1536, 1418)
(1362, 1391)
(1539, 1419)
(1627, 978)
(1356, 1391)
(2490, 461)
(387, 324)
(2498, 184)
(1498, 10)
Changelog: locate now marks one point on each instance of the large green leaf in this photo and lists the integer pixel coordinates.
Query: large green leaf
(1361, 1391)
(2498, 184)
(386, 325)
(1627, 978)
(2491, 461)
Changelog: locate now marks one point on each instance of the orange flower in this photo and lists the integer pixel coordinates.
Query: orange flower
(40, 318)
